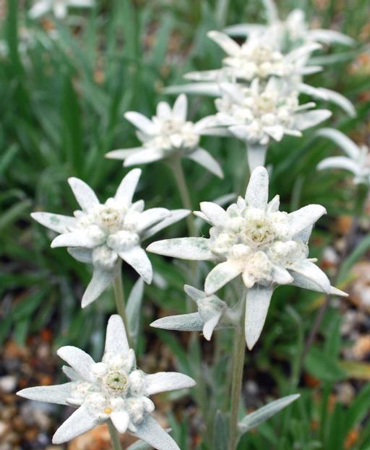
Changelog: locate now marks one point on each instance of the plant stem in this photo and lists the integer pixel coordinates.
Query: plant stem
(362, 193)
(237, 377)
(176, 166)
(114, 436)
(119, 296)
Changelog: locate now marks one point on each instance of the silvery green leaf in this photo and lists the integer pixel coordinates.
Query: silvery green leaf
(120, 420)
(305, 217)
(313, 273)
(215, 213)
(339, 162)
(74, 239)
(194, 293)
(122, 153)
(137, 258)
(139, 445)
(175, 216)
(260, 416)
(80, 361)
(152, 433)
(151, 217)
(180, 107)
(141, 122)
(127, 187)
(181, 322)
(340, 100)
(191, 248)
(227, 44)
(85, 196)
(167, 381)
(243, 29)
(133, 308)
(78, 423)
(271, 11)
(49, 394)
(100, 280)
(257, 306)
(83, 255)
(206, 160)
(221, 275)
(257, 190)
(342, 140)
(305, 283)
(330, 36)
(55, 222)
(116, 339)
(220, 435)
(310, 119)
(202, 88)
(143, 157)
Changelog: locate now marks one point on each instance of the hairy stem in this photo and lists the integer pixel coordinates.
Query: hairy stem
(119, 296)
(176, 166)
(237, 377)
(114, 436)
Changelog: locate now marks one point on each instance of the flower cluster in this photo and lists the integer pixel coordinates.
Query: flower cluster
(113, 389)
(105, 234)
(257, 115)
(252, 238)
(59, 8)
(357, 160)
(169, 134)
(259, 56)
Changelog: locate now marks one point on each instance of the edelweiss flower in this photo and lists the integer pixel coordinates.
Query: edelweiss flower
(103, 234)
(357, 161)
(258, 57)
(258, 116)
(254, 239)
(212, 313)
(58, 7)
(292, 32)
(113, 389)
(167, 134)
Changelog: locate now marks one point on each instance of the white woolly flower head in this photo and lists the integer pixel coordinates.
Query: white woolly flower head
(260, 56)
(167, 135)
(357, 159)
(104, 234)
(113, 389)
(258, 115)
(256, 241)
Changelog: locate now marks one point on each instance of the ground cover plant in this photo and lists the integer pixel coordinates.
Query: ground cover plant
(216, 232)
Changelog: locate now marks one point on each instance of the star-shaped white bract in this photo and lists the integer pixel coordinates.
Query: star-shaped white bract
(166, 135)
(113, 389)
(258, 57)
(252, 238)
(105, 234)
(258, 116)
(212, 313)
(59, 8)
(289, 33)
(357, 160)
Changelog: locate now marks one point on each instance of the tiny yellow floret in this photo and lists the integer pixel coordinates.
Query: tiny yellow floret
(107, 410)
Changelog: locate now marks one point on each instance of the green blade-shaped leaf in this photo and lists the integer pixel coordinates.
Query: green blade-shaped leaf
(133, 308)
(266, 412)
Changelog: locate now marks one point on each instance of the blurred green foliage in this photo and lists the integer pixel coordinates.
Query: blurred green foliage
(63, 95)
